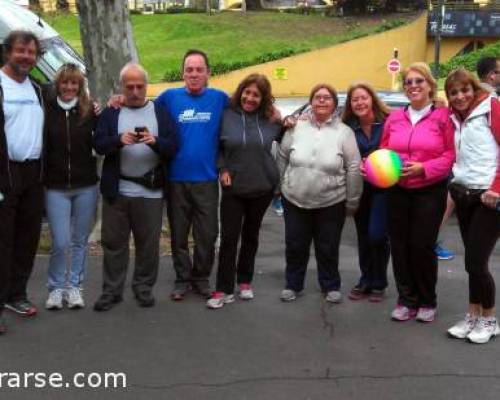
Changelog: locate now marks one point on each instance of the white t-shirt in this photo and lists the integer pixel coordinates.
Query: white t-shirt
(23, 119)
(417, 115)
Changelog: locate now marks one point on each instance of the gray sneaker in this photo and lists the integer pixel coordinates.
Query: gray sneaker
(333, 296)
(55, 300)
(74, 298)
(288, 295)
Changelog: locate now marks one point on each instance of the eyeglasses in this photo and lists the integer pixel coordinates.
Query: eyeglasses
(416, 81)
(324, 98)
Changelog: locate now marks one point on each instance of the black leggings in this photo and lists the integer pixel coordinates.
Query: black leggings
(480, 230)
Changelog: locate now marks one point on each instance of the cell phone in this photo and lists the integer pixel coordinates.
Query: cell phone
(138, 132)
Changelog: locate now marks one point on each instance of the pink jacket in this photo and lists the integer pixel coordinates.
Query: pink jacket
(430, 142)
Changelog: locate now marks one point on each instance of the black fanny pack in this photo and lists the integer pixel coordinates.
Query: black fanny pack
(465, 195)
(153, 179)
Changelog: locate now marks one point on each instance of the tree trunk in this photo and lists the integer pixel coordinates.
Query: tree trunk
(108, 43)
(243, 6)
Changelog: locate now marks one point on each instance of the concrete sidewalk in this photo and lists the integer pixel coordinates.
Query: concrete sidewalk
(262, 349)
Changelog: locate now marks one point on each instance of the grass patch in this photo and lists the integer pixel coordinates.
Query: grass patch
(232, 40)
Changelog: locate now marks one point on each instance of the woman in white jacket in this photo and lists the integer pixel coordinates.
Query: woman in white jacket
(320, 180)
(475, 188)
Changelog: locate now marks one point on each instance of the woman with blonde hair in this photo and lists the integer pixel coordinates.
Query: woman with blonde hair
(475, 188)
(422, 135)
(70, 178)
(365, 113)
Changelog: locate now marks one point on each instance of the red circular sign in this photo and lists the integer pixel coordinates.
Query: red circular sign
(394, 66)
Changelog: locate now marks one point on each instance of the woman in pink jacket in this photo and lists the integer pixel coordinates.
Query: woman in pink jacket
(422, 135)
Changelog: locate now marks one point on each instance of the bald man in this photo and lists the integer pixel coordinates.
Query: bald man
(137, 141)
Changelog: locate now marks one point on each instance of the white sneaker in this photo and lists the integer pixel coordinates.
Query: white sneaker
(55, 300)
(288, 295)
(74, 298)
(245, 291)
(484, 330)
(333, 296)
(462, 328)
(218, 300)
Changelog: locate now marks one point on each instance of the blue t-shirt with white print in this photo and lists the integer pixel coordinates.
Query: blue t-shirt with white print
(198, 118)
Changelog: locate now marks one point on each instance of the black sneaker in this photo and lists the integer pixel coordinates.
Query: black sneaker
(107, 301)
(22, 307)
(145, 299)
(202, 288)
(3, 326)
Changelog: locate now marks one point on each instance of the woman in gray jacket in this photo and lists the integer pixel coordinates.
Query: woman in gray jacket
(249, 177)
(320, 181)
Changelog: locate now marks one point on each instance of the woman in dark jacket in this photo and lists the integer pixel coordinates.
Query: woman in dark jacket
(249, 176)
(365, 113)
(70, 178)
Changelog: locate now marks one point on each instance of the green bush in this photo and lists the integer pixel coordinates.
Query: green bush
(469, 60)
(388, 25)
(220, 68)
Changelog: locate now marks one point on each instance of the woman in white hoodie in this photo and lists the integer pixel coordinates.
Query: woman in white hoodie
(475, 188)
(320, 180)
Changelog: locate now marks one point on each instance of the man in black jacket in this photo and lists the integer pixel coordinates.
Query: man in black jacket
(21, 192)
(137, 140)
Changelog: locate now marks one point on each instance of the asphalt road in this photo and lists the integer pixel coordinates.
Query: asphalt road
(262, 349)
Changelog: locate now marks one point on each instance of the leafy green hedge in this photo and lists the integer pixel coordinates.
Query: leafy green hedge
(469, 60)
(225, 67)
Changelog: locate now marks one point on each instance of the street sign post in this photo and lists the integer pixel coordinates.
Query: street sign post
(394, 67)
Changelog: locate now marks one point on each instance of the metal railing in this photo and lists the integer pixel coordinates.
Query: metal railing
(493, 5)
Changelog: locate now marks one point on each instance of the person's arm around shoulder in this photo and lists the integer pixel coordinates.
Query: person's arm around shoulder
(283, 151)
(167, 142)
(352, 160)
(106, 139)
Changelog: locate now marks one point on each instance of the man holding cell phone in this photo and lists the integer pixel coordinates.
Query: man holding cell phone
(137, 141)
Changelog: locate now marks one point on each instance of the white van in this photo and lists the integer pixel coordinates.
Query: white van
(56, 51)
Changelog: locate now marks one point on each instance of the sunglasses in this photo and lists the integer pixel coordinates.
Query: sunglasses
(416, 81)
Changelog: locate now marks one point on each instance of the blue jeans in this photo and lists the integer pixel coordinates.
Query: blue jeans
(71, 215)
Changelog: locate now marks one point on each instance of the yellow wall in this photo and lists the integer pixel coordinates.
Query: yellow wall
(340, 65)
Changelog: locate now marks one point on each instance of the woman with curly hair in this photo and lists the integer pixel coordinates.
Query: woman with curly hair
(249, 177)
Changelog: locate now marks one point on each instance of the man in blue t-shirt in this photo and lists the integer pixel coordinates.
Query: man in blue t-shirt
(193, 193)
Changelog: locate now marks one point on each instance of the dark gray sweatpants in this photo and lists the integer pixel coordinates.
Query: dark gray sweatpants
(142, 217)
(193, 205)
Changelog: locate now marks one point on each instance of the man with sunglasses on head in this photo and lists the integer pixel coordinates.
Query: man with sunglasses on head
(488, 70)
(137, 140)
(21, 191)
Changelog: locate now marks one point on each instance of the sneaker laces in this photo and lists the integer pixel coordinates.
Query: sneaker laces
(73, 294)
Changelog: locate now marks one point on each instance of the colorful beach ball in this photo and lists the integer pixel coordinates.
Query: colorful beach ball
(383, 168)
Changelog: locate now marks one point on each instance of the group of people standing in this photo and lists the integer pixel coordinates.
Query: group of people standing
(191, 139)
